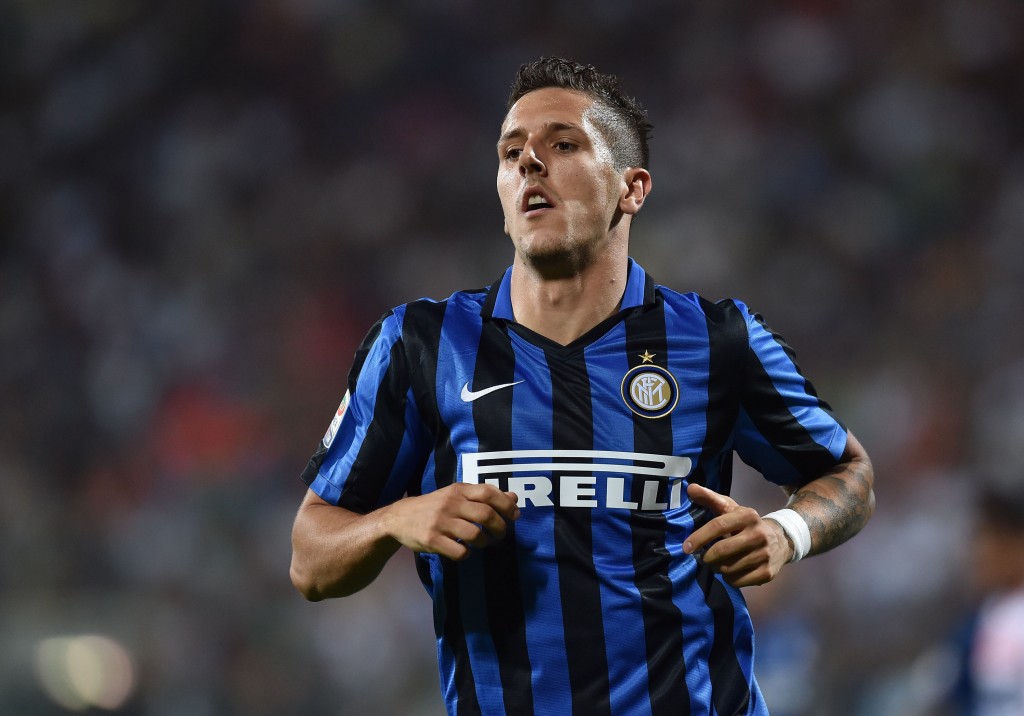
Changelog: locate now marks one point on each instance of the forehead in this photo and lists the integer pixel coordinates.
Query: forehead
(547, 106)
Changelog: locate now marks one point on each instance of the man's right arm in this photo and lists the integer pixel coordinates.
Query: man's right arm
(337, 552)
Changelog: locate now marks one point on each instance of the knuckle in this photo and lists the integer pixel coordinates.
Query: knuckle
(431, 543)
(438, 526)
(452, 499)
(748, 514)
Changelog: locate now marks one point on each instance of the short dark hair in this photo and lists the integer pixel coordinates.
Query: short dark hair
(623, 122)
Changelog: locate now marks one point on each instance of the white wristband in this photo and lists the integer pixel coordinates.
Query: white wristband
(795, 528)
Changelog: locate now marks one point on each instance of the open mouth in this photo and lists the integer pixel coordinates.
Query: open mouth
(535, 200)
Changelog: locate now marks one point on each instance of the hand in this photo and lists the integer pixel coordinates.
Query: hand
(748, 550)
(450, 520)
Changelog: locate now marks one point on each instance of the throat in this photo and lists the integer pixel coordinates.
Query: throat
(562, 315)
(564, 297)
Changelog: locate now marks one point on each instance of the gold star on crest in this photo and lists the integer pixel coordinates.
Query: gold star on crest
(647, 356)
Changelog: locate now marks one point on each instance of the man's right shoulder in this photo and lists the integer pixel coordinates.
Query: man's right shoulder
(467, 302)
(421, 320)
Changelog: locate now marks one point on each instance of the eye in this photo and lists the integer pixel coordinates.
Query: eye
(512, 153)
(564, 146)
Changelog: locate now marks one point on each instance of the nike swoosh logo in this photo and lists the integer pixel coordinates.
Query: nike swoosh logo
(469, 396)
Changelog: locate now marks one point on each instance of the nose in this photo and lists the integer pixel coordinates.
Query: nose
(530, 162)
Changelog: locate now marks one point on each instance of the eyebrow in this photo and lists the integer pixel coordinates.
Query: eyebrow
(514, 132)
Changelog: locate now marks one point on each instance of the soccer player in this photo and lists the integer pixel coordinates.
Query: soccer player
(556, 449)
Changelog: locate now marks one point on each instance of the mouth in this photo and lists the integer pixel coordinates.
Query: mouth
(535, 201)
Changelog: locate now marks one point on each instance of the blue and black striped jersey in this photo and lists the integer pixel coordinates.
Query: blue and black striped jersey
(588, 606)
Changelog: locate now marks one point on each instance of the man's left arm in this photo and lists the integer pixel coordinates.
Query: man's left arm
(837, 505)
(748, 549)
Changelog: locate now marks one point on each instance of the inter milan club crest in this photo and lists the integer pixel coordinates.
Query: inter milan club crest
(649, 390)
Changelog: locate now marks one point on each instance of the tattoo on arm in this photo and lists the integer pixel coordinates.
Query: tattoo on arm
(836, 505)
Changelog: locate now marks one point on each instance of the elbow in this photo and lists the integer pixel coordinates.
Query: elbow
(867, 476)
(315, 588)
(303, 582)
(325, 567)
(862, 472)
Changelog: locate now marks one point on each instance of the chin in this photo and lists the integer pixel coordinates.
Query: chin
(534, 246)
(555, 257)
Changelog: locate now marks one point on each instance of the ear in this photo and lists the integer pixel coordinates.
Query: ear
(636, 187)
(504, 227)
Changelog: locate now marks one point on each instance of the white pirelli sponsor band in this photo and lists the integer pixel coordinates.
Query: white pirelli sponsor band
(533, 475)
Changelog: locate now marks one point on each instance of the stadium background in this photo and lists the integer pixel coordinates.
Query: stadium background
(203, 206)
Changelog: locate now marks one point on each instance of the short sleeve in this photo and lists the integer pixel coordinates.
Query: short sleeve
(374, 446)
(784, 430)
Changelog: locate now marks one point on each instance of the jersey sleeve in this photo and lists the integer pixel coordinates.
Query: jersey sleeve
(374, 446)
(784, 430)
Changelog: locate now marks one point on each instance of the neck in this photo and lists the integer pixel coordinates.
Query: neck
(564, 306)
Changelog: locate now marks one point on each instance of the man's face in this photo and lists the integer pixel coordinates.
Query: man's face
(557, 182)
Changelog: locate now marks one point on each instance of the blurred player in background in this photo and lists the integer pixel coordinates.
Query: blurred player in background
(556, 449)
(992, 667)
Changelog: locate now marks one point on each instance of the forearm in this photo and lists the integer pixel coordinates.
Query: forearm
(336, 552)
(837, 505)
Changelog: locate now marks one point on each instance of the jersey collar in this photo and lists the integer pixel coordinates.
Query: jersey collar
(639, 292)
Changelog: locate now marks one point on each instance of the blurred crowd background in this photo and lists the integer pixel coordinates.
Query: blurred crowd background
(204, 206)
